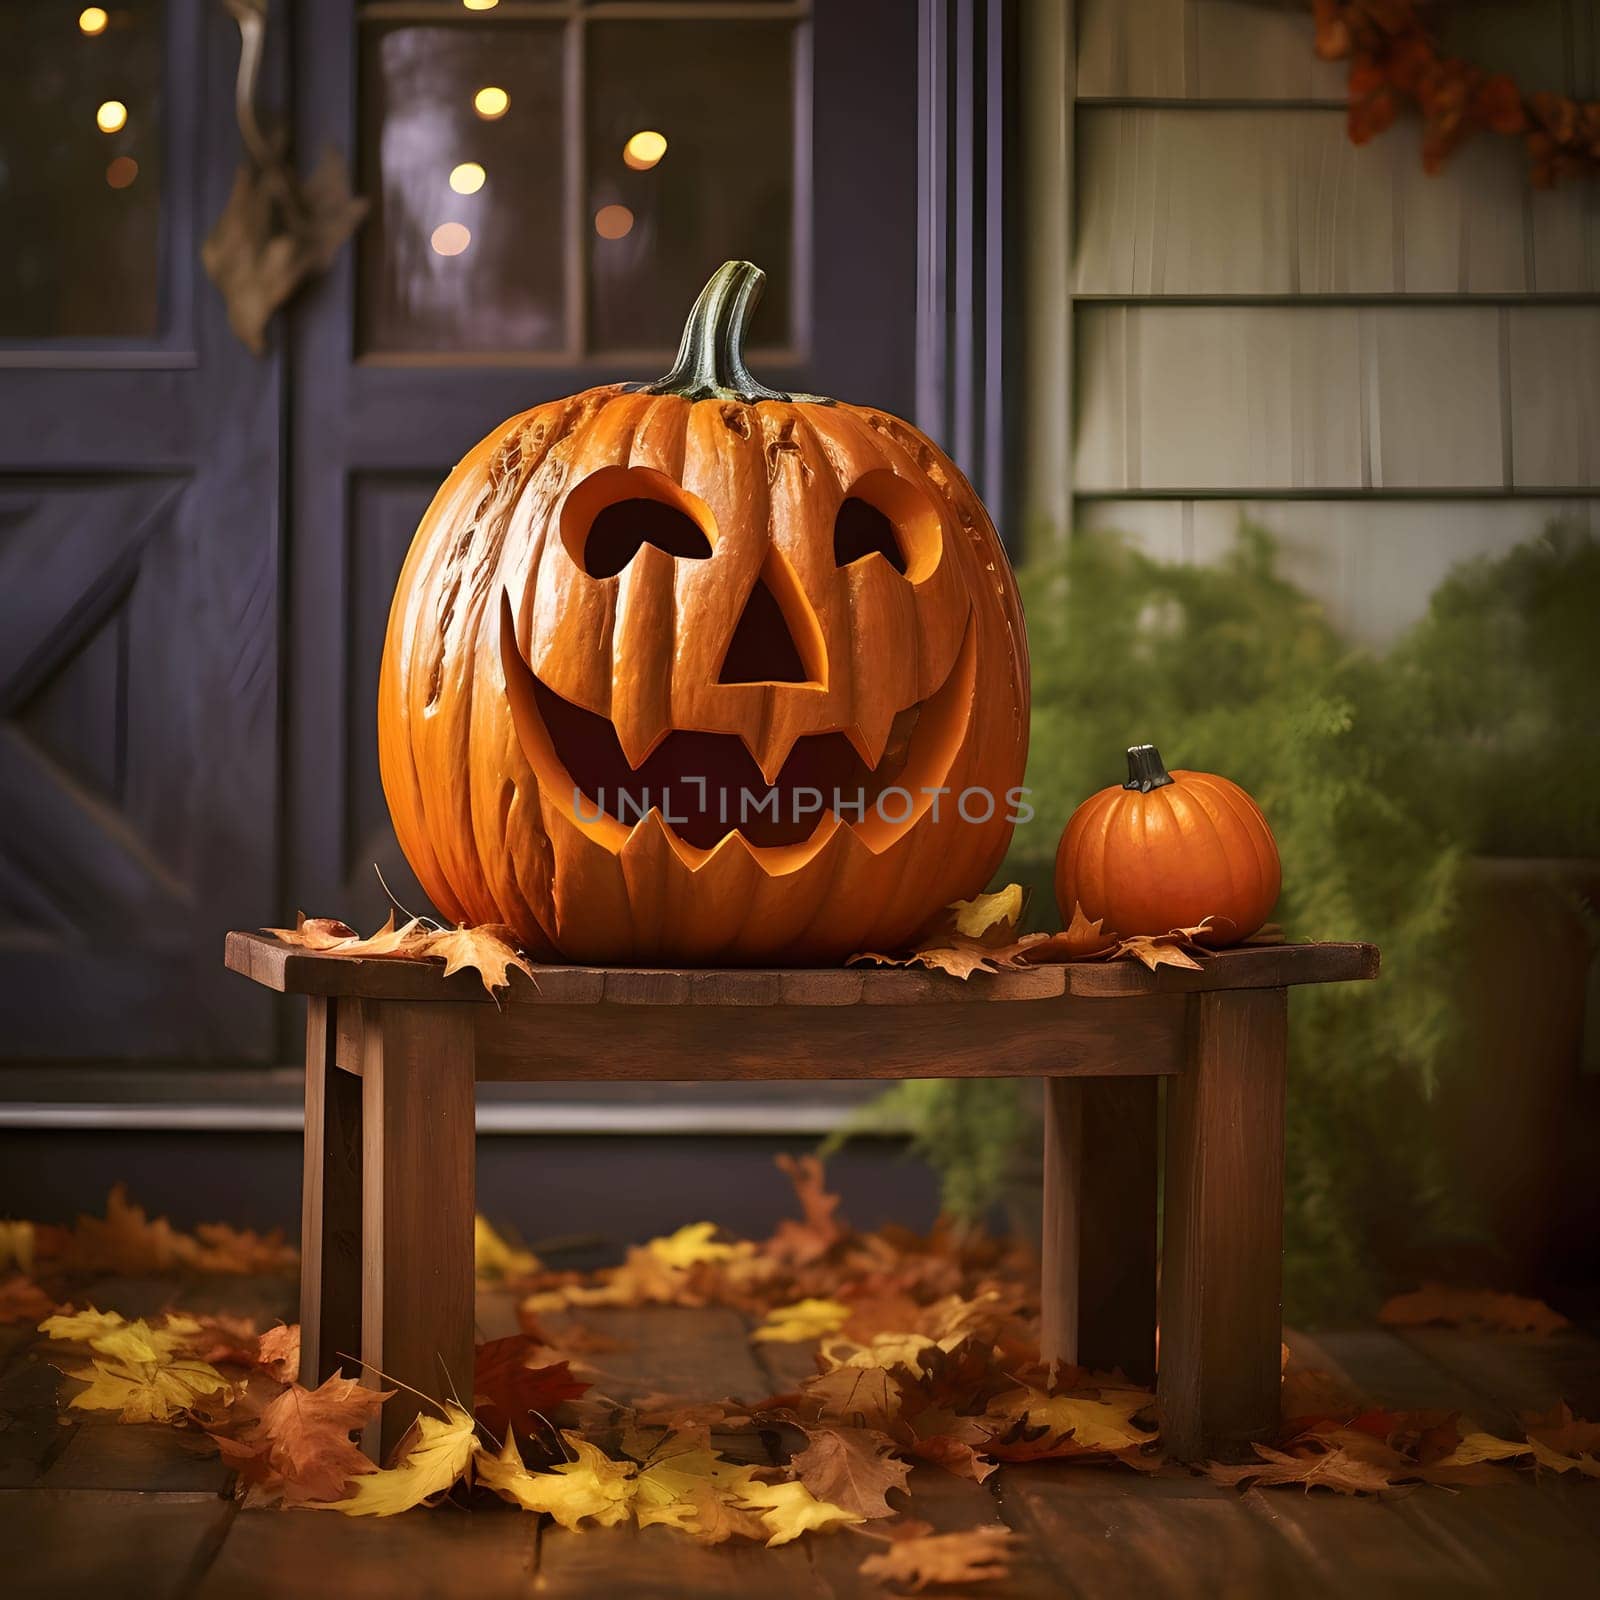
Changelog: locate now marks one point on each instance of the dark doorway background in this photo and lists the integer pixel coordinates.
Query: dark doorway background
(197, 545)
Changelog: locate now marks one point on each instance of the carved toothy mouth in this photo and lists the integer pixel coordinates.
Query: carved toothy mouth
(708, 787)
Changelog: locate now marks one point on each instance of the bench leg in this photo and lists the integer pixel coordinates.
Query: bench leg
(1222, 1254)
(419, 1163)
(1099, 1250)
(330, 1207)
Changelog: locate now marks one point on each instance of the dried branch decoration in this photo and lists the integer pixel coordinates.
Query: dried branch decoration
(276, 231)
(1394, 58)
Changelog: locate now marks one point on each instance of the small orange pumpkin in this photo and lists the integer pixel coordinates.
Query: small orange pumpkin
(1167, 850)
(628, 613)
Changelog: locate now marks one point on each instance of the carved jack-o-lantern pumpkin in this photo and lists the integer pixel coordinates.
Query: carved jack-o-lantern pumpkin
(699, 671)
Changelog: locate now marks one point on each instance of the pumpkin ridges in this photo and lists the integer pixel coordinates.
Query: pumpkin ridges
(958, 567)
(435, 571)
(424, 572)
(491, 844)
(1252, 824)
(1191, 796)
(1191, 848)
(487, 808)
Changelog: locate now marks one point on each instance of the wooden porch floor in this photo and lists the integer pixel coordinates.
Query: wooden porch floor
(112, 1509)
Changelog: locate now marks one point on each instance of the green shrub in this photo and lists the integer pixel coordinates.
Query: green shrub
(1380, 777)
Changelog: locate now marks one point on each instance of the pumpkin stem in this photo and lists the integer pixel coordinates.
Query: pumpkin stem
(1145, 771)
(710, 364)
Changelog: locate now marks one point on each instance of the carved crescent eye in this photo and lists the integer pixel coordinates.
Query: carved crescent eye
(861, 530)
(611, 514)
(885, 516)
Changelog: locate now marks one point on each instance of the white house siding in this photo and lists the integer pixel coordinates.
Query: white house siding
(1392, 371)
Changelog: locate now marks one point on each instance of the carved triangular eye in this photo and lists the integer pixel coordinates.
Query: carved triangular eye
(618, 530)
(861, 530)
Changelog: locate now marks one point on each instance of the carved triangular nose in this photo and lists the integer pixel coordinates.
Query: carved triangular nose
(763, 649)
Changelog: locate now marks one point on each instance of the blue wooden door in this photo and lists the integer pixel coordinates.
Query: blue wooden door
(140, 458)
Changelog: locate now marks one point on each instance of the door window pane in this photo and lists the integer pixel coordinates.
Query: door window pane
(717, 182)
(462, 159)
(80, 169)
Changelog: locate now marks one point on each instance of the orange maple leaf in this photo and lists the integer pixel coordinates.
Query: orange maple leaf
(299, 1449)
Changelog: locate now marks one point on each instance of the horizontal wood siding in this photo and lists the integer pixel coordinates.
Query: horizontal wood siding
(1554, 362)
(1268, 398)
(1179, 50)
(1392, 371)
(1176, 200)
(1246, 50)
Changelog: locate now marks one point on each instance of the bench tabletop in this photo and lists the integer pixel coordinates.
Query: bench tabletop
(291, 970)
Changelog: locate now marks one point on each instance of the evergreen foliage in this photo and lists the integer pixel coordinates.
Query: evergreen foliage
(1476, 733)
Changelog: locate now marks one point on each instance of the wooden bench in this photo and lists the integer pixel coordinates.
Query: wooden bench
(394, 1049)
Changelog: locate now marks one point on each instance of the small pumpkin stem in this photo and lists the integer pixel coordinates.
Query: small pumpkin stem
(1145, 771)
(710, 363)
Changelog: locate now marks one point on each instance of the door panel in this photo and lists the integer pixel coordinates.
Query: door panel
(402, 362)
(139, 461)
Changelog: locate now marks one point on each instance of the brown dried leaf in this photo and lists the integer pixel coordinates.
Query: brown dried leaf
(222, 1339)
(510, 1393)
(1309, 1394)
(1559, 1430)
(1550, 1460)
(490, 951)
(127, 1241)
(1327, 1469)
(853, 1468)
(976, 1555)
(320, 933)
(22, 1300)
(1158, 950)
(1462, 1308)
(958, 957)
(278, 1351)
(821, 1228)
(222, 1249)
(863, 1396)
(1082, 940)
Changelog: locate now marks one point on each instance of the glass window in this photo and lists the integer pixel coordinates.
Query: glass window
(561, 185)
(80, 170)
(690, 157)
(462, 159)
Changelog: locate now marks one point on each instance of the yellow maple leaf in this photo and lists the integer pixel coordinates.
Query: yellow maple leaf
(987, 914)
(81, 1326)
(696, 1491)
(495, 1257)
(1475, 1447)
(805, 1319)
(147, 1391)
(1102, 1424)
(17, 1246)
(439, 1453)
(694, 1243)
(884, 1350)
(593, 1487)
(1588, 1466)
(787, 1510)
(138, 1342)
